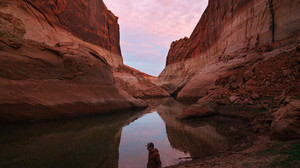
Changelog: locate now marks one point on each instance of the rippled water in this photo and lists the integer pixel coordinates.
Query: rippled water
(115, 140)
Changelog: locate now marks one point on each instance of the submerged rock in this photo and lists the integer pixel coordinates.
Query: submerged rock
(197, 111)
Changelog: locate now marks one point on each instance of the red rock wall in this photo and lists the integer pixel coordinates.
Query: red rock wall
(218, 21)
(56, 60)
(229, 26)
(89, 20)
(41, 82)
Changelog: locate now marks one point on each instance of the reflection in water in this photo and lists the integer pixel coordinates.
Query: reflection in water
(197, 141)
(88, 142)
(149, 128)
(115, 140)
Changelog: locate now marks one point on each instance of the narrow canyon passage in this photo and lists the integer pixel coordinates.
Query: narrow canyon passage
(113, 140)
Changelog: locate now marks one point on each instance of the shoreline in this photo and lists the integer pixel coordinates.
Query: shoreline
(254, 146)
(264, 152)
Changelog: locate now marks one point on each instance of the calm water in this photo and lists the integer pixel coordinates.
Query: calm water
(115, 140)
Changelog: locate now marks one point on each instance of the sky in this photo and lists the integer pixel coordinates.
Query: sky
(148, 27)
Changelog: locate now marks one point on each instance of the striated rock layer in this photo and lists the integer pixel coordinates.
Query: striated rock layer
(137, 83)
(56, 60)
(228, 30)
(88, 22)
(39, 82)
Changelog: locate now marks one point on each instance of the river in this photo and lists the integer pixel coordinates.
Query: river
(113, 140)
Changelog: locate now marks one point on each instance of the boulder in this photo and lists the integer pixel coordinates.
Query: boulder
(247, 75)
(233, 98)
(234, 85)
(255, 96)
(286, 121)
(197, 111)
(287, 72)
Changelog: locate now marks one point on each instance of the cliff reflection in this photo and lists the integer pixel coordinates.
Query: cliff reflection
(108, 141)
(89, 142)
(198, 141)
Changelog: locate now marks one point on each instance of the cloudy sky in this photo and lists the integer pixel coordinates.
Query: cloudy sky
(148, 27)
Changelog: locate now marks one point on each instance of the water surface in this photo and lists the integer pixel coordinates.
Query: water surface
(114, 140)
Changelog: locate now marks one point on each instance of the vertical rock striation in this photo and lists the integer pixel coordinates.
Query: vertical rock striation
(226, 30)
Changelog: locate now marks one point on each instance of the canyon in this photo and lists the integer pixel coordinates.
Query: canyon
(241, 61)
(241, 53)
(62, 59)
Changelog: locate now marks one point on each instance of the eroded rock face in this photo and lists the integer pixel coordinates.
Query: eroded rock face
(86, 22)
(137, 84)
(197, 111)
(225, 30)
(89, 20)
(41, 82)
(286, 121)
(57, 59)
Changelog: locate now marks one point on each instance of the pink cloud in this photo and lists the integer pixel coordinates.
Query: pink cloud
(156, 23)
(145, 51)
(175, 18)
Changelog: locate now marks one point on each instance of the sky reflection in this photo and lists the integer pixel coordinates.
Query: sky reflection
(149, 128)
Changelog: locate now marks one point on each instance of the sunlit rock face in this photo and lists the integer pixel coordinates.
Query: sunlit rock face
(57, 59)
(225, 30)
(137, 84)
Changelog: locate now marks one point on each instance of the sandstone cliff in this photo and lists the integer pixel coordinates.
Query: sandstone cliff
(229, 33)
(57, 59)
(137, 84)
(88, 22)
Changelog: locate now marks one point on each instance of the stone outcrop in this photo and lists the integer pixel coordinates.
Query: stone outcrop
(228, 31)
(286, 121)
(197, 111)
(57, 59)
(137, 84)
(86, 22)
(41, 82)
